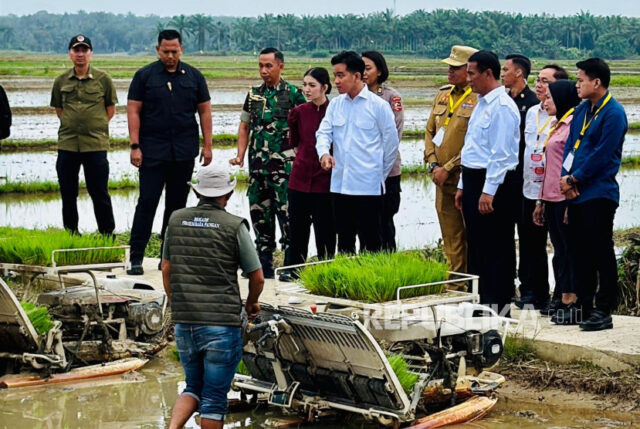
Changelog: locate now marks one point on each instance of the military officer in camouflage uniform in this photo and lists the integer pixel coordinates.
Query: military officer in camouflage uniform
(264, 129)
(444, 138)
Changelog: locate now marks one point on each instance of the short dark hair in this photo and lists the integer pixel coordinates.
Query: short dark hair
(522, 62)
(486, 60)
(276, 53)
(351, 60)
(560, 72)
(169, 35)
(596, 68)
(321, 75)
(380, 62)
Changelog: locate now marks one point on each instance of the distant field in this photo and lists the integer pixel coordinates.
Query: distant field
(403, 69)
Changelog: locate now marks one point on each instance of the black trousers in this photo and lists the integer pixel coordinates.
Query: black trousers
(491, 251)
(359, 215)
(96, 173)
(391, 207)
(306, 208)
(155, 175)
(591, 247)
(559, 234)
(533, 267)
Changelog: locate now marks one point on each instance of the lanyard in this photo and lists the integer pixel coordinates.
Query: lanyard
(540, 130)
(453, 107)
(586, 125)
(556, 125)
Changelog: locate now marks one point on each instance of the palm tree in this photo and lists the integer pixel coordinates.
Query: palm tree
(181, 24)
(200, 24)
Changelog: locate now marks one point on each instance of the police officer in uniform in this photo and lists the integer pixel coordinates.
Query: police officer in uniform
(444, 138)
(265, 131)
(376, 73)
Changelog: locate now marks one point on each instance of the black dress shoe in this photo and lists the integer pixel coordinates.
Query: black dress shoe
(135, 270)
(527, 299)
(551, 307)
(597, 321)
(569, 314)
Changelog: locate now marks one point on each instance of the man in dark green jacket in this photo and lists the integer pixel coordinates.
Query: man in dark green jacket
(203, 248)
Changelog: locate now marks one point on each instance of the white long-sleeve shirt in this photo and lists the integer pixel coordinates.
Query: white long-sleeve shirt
(493, 138)
(365, 142)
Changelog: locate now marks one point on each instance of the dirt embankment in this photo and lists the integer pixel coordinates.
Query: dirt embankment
(571, 385)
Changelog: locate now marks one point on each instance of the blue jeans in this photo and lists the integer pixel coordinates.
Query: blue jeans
(209, 356)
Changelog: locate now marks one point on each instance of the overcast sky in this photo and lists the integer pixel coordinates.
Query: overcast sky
(317, 7)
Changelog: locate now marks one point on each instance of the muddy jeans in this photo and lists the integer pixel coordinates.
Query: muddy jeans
(209, 356)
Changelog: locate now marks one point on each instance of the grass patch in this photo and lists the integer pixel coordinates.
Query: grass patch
(34, 247)
(222, 141)
(36, 187)
(518, 349)
(242, 369)
(400, 367)
(39, 317)
(413, 134)
(374, 277)
(415, 170)
(154, 246)
(634, 126)
(631, 161)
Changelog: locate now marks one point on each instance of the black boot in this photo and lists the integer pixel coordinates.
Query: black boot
(597, 321)
(266, 260)
(570, 314)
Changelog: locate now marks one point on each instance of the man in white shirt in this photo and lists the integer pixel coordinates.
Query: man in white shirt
(487, 186)
(358, 140)
(533, 269)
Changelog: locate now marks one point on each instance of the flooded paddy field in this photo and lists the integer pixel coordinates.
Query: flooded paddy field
(144, 400)
(417, 223)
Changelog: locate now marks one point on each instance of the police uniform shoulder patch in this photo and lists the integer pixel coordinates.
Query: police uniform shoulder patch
(396, 104)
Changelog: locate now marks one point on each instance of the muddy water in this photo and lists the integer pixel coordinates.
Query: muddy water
(35, 127)
(145, 399)
(416, 223)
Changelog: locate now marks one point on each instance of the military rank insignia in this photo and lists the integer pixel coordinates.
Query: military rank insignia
(396, 104)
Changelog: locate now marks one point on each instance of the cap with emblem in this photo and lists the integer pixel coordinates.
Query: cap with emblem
(459, 55)
(80, 40)
(213, 181)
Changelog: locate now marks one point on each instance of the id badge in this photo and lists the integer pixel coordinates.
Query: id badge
(568, 162)
(437, 140)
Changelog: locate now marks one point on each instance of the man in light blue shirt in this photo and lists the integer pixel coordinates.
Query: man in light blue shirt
(487, 188)
(358, 140)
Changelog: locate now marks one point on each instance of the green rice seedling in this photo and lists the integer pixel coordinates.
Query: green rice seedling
(400, 367)
(39, 317)
(375, 277)
(242, 369)
(34, 247)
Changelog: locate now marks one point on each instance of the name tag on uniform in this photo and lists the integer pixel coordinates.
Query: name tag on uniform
(536, 157)
(568, 162)
(437, 140)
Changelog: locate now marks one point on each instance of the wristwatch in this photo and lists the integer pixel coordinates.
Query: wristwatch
(570, 181)
(135, 146)
(432, 166)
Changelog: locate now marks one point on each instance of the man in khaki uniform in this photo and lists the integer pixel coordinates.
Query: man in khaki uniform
(446, 128)
(85, 101)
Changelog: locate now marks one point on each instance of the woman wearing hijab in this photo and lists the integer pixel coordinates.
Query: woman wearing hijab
(551, 205)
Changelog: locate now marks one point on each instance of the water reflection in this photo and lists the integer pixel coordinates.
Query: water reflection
(145, 400)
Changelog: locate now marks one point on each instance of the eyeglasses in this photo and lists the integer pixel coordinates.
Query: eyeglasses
(543, 81)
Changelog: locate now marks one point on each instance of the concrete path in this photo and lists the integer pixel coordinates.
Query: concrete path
(615, 349)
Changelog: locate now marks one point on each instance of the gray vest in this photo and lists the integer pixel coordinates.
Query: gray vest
(203, 251)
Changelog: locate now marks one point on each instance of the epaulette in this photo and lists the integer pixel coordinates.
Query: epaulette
(448, 86)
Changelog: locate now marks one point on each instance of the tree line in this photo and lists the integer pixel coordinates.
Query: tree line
(421, 32)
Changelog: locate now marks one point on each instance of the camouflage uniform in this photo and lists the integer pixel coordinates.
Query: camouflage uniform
(270, 160)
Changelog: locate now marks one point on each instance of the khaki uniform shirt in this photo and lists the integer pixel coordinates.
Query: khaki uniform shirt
(448, 154)
(84, 125)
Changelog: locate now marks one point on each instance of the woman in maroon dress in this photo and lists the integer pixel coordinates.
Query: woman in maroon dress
(309, 197)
